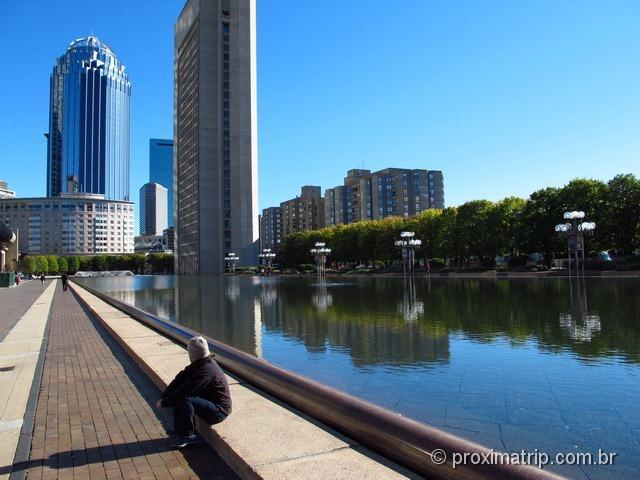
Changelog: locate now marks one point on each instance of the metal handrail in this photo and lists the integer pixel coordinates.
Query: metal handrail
(407, 442)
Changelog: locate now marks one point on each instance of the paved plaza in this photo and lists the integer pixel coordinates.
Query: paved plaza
(14, 302)
(91, 415)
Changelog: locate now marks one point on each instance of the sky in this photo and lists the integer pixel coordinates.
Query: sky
(504, 97)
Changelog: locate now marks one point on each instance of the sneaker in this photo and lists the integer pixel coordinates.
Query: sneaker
(182, 441)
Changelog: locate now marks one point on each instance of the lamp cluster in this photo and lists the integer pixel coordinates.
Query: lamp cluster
(266, 259)
(320, 252)
(231, 260)
(575, 233)
(408, 244)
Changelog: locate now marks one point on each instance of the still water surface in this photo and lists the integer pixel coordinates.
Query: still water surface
(549, 364)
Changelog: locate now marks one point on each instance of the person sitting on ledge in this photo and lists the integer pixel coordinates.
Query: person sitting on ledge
(202, 389)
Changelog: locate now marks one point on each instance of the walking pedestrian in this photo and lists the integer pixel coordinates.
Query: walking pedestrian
(42, 279)
(65, 279)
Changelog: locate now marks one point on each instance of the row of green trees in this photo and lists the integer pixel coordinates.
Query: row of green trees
(137, 263)
(481, 229)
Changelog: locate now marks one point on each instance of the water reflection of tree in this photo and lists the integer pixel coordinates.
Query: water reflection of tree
(348, 323)
(364, 317)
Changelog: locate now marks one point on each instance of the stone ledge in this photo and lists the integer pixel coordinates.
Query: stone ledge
(263, 438)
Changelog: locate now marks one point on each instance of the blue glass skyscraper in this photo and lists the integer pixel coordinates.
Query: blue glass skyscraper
(161, 169)
(88, 140)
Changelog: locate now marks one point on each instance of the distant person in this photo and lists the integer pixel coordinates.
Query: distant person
(65, 279)
(202, 389)
(42, 279)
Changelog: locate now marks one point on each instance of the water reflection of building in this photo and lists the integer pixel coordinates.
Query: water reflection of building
(225, 309)
(158, 300)
(578, 322)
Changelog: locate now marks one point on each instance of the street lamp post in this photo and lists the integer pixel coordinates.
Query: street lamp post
(231, 259)
(321, 252)
(408, 244)
(575, 230)
(266, 258)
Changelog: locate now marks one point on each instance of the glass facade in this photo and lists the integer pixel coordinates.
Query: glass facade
(161, 169)
(88, 140)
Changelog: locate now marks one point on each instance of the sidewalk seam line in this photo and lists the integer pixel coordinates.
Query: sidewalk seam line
(308, 455)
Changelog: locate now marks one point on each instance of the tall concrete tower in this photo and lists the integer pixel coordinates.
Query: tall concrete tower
(215, 133)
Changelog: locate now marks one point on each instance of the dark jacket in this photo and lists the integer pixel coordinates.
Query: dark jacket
(203, 378)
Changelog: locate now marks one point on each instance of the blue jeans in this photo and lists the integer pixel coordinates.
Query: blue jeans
(185, 410)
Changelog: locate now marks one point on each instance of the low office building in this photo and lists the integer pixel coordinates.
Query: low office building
(334, 206)
(153, 209)
(357, 195)
(169, 238)
(72, 224)
(271, 228)
(403, 192)
(389, 192)
(305, 212)
(149, 244)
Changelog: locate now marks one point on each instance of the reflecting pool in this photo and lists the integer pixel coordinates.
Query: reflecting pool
(551, 364)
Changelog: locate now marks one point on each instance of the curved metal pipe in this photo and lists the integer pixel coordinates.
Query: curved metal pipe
(407, 442)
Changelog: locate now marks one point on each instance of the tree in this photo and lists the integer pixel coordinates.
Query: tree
(542, 212)
(73, 265)
(99, 263)
(504, 223)
(63, 265)
(472, 229)
(29, 264)
(160, 262)
(620, 224)
(52, 262)
(86, 263)
(42, 265)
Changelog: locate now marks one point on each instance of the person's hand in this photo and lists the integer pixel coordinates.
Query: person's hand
(159, 404)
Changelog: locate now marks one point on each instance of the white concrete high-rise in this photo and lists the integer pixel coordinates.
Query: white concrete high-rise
(215, 134)
(153, 209)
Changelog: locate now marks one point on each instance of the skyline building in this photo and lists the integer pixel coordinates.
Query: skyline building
(88, 138)
(334, 206)
(153, 209)
(388, 192)
(305, 212)
(161, 170)
(215, 135)
(271, 228)
(70, 224)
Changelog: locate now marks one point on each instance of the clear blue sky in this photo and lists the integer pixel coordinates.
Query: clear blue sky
(505, 97)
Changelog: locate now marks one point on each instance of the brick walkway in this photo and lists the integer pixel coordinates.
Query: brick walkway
(14, 302)
(94, 416)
